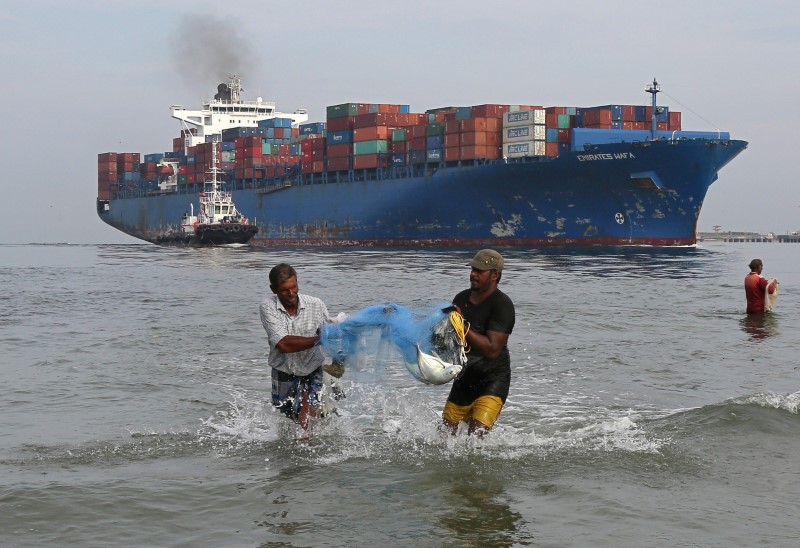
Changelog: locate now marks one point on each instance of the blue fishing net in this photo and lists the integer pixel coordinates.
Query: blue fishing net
(370, 332)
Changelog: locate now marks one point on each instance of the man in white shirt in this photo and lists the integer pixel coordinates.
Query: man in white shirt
(293, 321)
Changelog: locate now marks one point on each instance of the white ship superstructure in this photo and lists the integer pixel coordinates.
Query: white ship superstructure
(228, 110)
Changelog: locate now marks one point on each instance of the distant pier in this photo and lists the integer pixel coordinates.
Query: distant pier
(750, 237)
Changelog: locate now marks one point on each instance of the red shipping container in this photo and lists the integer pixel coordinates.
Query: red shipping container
(452, 154)
(107, 176)
(340, 150)
(489, 111)
(597, 116)
(375, 119)
(418, 143)
(674, 120)
(555, 110)
(373, 133)
(480, 138)
(452, 140)
(474, 152)
(107, 157)
(452, 126)
(369, 161)
(398, 147)
(564, 135)
(341, 163)
(340, 124)
(413, 119)
(473, 124)
(418, 131)
(107, 166)
(551, 149)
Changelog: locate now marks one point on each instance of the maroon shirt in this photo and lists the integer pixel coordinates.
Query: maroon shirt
(755, 289)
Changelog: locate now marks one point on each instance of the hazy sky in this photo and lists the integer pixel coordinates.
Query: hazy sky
(84, 77)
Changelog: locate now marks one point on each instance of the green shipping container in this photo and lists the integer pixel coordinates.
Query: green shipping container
(340, 111)
(182, 179)
(435, 128)
(564, 121)
(267, 148)
(398, 135)
(370, 147)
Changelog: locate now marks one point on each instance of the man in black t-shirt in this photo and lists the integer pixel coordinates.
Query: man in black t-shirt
(480, 391)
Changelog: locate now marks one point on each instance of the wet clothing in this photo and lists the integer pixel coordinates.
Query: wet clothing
(294, 373)
(485, 409)
(755, 289)
(483, 376)
(311, 314)
(288, 391)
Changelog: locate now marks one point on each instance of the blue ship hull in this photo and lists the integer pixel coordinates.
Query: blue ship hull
(644, 193)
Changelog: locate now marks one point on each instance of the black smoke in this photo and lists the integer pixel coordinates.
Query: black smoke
(223, 92)
(207, 49)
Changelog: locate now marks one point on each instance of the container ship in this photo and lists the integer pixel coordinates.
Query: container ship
(470, 176)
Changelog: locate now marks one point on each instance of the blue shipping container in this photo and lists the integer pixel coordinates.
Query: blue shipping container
(312, 128)
(340, 137)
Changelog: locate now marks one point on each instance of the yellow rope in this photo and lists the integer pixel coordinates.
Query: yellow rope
(461, 327)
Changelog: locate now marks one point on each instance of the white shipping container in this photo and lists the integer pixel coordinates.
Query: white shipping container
(523, 117)
(529, 132)
(523, 148)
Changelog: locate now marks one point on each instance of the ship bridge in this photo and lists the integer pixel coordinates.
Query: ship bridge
(227, 110)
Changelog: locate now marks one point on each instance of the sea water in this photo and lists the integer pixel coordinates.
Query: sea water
(646, 408)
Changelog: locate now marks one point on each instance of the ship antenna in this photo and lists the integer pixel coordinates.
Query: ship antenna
(235, 85)
(653, 90)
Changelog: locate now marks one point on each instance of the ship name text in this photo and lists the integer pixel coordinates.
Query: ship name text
(606, 156)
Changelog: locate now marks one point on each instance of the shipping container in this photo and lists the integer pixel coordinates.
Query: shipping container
(370, 147)
(339, 137)
(343, 110)
(312, 128)
(370, 161)
(524, 149)
(523, 133)
(371, 133)
(340, 124)
(524, 118)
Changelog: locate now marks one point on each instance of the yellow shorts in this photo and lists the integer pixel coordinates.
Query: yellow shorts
(485, 409)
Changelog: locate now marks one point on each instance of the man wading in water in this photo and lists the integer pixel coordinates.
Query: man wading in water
(292, 321)
(480, 391)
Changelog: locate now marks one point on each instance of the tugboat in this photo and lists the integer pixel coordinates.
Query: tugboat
(218, 222)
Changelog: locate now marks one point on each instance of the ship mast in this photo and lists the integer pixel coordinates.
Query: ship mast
(653, 90)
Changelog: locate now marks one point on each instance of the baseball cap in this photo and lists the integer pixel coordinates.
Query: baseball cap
(487, 259)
